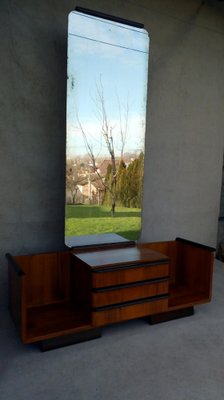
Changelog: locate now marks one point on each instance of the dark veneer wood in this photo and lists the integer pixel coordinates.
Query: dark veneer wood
(191, 271)
(109, 259)
(122, 293)
(126, 312)
(170, 315)
(66, 340)
(122, 276)
(64, 297)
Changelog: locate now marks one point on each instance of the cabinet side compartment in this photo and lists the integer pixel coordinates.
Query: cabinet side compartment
(191, 271)
(16, 295)
(80, 285)
(195, 270)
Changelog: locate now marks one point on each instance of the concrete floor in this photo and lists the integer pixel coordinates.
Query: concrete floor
(178, 360)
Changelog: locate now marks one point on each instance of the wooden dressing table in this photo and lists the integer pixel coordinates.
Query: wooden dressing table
(66, 297)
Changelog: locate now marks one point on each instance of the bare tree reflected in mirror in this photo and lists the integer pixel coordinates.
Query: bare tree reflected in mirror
(106, 103)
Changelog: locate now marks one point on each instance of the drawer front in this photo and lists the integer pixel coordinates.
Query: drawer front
(102, 279)
(127, 312)
(114, 295)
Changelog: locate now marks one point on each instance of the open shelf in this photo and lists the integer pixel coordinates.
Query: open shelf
(191, 268)
(69, 296)
(180, 296)
(54, 319)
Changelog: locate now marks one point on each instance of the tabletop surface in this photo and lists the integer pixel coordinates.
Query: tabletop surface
(121, 256)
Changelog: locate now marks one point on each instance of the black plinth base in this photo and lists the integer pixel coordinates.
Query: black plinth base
(170, 315)
(62, 341)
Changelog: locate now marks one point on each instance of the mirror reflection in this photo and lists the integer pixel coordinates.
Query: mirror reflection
(106, 105)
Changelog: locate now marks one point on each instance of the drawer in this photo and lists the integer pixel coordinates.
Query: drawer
(111, 315)
(124, 275)
(124, 293)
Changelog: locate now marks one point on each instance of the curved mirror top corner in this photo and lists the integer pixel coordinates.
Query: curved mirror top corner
(107, 76)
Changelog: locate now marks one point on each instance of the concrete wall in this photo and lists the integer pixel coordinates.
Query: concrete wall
(185, 132)
(184, 143)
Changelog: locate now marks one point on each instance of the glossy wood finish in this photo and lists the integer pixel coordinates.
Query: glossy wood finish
(134, 274)
(71, 293)
(169, 249)
(124, 313)
(111, 258)
(41, 298)
(191, 271)
(53, 320)
(123, 293)
(124, 283)
(47, 277)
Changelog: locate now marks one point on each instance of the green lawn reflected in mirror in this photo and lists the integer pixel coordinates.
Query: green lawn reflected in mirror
(106, 106)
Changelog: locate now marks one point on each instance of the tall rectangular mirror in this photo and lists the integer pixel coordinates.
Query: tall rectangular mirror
(106, 118)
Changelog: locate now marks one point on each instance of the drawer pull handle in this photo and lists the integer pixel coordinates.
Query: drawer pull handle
(130, 285)
(130, 303)
(129, 266)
